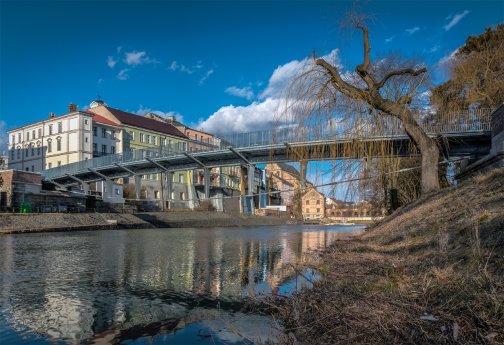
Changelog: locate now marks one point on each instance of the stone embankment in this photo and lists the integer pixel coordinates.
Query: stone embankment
(47, 222)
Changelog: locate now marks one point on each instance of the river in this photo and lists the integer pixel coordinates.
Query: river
(151, 286)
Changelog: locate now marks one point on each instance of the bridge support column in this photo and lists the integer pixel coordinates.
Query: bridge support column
(302, 170)
(169, 187)
(207, 182)
(109, 185)
(250, 182)
(85, 188)
(138, 186)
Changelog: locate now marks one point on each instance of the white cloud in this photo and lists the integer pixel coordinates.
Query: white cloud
(244, 92)
(138, 58)
(412, 30)
(435, 48)
(448, 58)
(388, 40)
(111, 62)
(118, 49)
(4, 139)
(142, 111)
(455, 19)
(123, 74)
(205, 76)
(266, 113)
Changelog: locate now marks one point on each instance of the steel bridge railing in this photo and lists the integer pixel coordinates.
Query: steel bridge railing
(468, 121)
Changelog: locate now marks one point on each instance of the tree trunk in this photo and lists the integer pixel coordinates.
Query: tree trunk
(428, 149)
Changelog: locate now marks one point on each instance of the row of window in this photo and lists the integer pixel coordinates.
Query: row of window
(35, 134)
(308, 202)
(155, 177)
(38, 152)
(308, 210)
(104, 133)
(104, 149)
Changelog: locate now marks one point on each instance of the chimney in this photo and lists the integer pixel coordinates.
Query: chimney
(52, 115)
(72, 108)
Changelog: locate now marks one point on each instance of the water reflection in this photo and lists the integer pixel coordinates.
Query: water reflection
(111, 286)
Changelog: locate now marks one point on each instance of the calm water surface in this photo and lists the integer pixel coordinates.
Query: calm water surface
(156, 286)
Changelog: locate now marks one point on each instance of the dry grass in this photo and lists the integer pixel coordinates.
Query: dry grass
(432, 273)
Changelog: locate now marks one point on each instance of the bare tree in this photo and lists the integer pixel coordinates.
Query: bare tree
(384, 89)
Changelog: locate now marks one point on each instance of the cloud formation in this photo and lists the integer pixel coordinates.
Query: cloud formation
(244, 92)
(412, 30)
(267, 112)
(205, 76)
(455, 19)
(142, 111)
(111, 62)
(123, 74)
(135, 58)
(390, 39)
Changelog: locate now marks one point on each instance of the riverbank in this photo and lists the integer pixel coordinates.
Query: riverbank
(47, 222)
(431, 273)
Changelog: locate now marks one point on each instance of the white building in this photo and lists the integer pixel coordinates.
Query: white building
(53, 142)
(107, 136)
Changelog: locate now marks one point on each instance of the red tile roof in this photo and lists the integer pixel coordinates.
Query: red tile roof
(104, 120)
(143, 122)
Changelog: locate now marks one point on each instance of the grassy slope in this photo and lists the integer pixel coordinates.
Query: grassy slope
(433, 272)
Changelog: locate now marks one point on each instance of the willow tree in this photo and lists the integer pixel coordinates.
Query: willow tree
(384, 89)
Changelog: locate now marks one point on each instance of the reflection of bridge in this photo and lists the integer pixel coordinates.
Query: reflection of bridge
(467, 136)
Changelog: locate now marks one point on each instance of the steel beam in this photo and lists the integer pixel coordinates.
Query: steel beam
(289, 147)
(85, 185)
(106, 178)
(125, 169)
(165, 169)
(241, 156)
(197, 161)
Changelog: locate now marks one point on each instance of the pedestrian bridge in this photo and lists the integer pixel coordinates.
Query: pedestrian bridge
(468, 134)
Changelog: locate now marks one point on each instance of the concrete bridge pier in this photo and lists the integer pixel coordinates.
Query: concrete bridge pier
(207, 181)
(250, 182)
(138, 186)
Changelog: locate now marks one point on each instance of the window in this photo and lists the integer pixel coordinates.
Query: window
(154, 140)
(86, 139)
(19, 137)
(59, 163)
(58, 144)
(169, 142)
(86, 121)
(39, 150)
(27, 136)
(50, 130)
(181, 178)
(131, 135)
(33, 134)
(112, 150)
(104, 149)
(318, 210)
(13, 139)
(26, 151)
(104, 132)
(95, 147)
(318, 202)
(33, 150)
(95, 131)
(27, 169)
(182, 196)
(307, 210)
(147, 141)
(49, 146)
(49, 165)
(117, 191)
(40, 132)
(18, 152)
(156, 194)
(113, 135)
(60, 127)
(33, 168)
(307, 202)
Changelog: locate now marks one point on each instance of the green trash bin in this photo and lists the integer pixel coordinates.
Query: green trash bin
(25, 207)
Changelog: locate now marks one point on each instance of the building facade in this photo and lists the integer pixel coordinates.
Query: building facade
(50, 143)
(313, 205)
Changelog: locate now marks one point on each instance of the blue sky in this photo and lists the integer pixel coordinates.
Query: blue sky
(220, 65)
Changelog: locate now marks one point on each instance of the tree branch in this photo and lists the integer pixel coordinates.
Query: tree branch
(338, 83)
(362, 69)
(399, 72)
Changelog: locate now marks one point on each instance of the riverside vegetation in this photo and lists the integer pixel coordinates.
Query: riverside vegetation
(431, 273)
